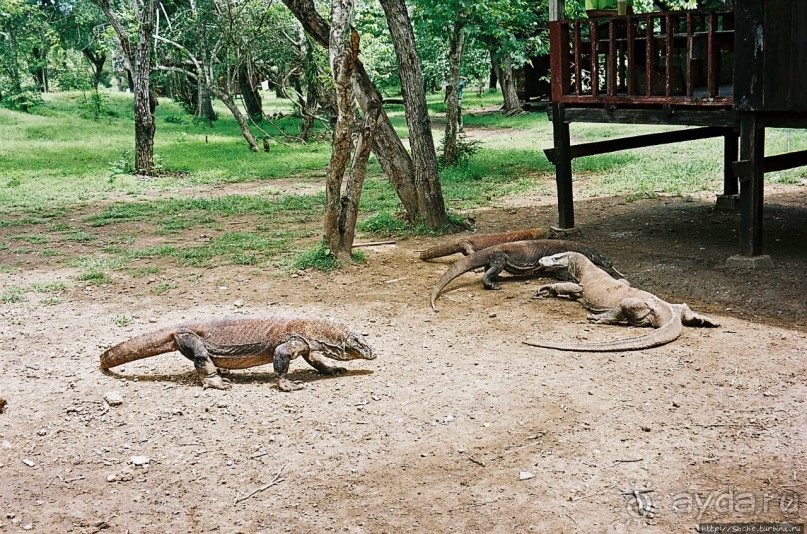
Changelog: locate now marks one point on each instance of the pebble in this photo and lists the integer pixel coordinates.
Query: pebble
(113, 398)
(140, 460)
(238, 303)
(525, 475)
(29, 463)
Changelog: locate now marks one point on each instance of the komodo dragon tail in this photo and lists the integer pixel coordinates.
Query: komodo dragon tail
(137, 348)
(482, 241)
(468, 263)
(660, 336)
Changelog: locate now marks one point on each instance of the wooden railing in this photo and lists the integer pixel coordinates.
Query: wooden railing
(677, 57)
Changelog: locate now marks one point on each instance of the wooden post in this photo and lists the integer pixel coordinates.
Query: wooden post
(752, 150)
(731, 187)
(563, 167)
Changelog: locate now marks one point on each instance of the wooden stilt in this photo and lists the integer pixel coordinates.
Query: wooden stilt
(563, 167)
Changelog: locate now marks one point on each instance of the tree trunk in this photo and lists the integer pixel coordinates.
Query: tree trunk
(424, 158)
(145, 124)
(252, 98)
(204, 104)
(39, 70)
(392, 155)
(508, 82)
(493, 80)
(97, 62)
(227, 100)
(456, 48)
(342, 56)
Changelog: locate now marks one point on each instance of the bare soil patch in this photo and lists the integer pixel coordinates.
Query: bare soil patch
(437, 433)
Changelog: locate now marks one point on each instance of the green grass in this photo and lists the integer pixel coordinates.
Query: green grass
(59, 161)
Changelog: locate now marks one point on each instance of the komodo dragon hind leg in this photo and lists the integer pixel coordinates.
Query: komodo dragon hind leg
(321, 366)
(284, 354)
(467, 248)
(194, 349)
(634, 311)
(690, 318)
(497, 264)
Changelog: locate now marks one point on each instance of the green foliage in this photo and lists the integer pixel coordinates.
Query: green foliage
(466, 149)
(122, 320)
(318, 258)
(94, 105)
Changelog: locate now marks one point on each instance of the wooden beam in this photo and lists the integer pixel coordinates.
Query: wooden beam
(638, 141)
(563, 167)
(752, 149)
(730, 155)
(557, 9)
(779, 162)
(675, 117)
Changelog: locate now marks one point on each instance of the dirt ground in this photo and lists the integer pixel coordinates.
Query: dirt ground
(456, 426)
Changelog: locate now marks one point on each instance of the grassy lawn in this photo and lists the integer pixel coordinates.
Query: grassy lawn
(64, 159)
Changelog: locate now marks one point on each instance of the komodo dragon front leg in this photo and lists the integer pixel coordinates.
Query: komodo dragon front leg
(321, 366)
(284, 354)
(193, 348)
(497, 264)
(560, 289)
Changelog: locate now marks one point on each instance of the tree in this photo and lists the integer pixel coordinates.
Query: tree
(392, 155)
(137, 56)
(427, 178)
(25, 33)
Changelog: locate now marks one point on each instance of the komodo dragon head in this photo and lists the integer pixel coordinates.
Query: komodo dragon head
(353, 348)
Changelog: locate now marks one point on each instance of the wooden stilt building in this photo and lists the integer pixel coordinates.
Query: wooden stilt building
(729, 72)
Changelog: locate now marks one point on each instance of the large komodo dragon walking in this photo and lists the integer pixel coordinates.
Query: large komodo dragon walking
(472, 243)
(241, 342)
(614, 302)
(518, 257)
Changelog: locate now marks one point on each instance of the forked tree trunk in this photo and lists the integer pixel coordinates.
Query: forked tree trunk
(456, 48)
(392, 155)
(97, 61)
(342, 56)
(421, 141)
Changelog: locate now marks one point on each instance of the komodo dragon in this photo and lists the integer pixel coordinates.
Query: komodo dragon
(614, 302)
(518, 257)
(472, 243)
(241, 342)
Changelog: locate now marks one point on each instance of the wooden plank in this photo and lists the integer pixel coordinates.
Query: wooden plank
(752, 149)
(649, 58)
(776, 72)
(717, 102)
(779, 162)
(748, 55)
(595, 63)
(611, 58)
(557, 10)
(713, 59)
(680, 117)
(798, 57)
(556, 59)
(578, 79)
(690, 33)
(631, 56)
(668, 50)
(638, 141)
(563, 167)
(731, 139)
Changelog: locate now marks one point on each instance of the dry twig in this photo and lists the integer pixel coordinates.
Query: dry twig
(276, 480)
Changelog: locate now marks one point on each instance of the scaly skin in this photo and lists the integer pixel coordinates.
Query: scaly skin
(518, 257)
(614, 302)
(472, 243)
(240, 342)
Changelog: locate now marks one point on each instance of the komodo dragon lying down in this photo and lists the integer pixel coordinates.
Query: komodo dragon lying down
(241, 342)
(518, 257)
(614, 302)
(472, 243)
